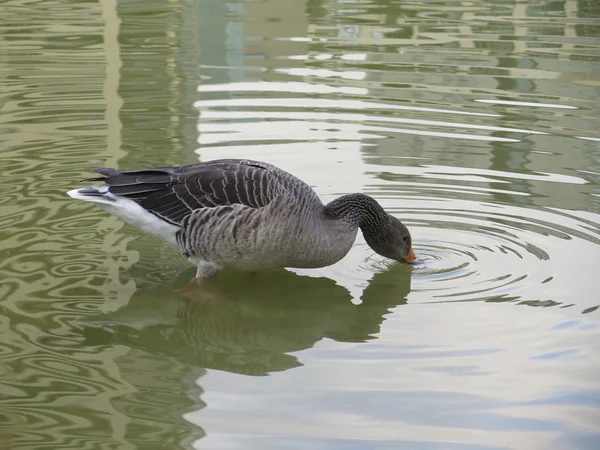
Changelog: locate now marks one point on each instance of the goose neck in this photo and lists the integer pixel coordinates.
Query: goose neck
(358, 209)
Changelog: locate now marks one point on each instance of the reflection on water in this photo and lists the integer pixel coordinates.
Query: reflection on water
(251, 322)
(475, 123)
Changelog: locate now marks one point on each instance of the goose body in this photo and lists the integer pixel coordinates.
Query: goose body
(245, 214)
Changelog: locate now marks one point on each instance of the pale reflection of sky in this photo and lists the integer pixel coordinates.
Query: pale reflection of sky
(518, 103)
(337, 117)
(329, 104)
(588, 138)
(324, 73)
(295, 87)
(409, 403)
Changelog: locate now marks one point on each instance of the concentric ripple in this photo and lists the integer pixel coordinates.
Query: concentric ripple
(520, 255)
(528, 254)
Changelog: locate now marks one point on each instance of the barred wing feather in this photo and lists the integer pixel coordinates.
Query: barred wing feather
(173, 193)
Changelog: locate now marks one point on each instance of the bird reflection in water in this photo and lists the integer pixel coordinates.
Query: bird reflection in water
(253, 321)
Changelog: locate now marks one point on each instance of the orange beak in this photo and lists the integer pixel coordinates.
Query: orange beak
(411, 256)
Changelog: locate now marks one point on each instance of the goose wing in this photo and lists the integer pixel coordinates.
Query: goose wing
(172, 193)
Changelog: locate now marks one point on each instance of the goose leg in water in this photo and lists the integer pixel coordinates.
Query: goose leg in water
(192, 290)
(189, 288)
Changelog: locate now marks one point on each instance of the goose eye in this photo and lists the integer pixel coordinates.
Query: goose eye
(405, 238)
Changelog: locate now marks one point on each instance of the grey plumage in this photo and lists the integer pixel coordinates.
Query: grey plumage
(247, 214)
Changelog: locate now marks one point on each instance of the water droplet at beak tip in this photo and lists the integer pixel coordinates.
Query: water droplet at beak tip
(412, 262)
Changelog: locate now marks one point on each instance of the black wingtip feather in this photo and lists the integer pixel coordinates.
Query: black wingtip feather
(91, 192)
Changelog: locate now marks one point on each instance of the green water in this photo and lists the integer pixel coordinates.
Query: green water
(476, 123)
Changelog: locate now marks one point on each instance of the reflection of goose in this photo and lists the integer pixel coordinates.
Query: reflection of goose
(253, 321)
(245, 214)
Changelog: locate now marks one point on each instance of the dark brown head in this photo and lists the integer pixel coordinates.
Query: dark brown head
(390, 238)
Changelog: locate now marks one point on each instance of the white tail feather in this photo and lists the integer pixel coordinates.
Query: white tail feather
(128, 211)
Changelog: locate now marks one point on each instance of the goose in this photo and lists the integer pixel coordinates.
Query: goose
(245, 214)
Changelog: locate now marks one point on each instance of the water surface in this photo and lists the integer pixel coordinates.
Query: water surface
(475, 123)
